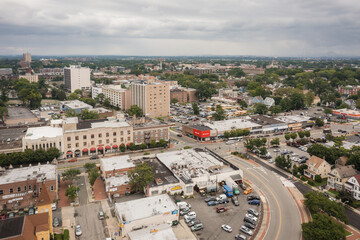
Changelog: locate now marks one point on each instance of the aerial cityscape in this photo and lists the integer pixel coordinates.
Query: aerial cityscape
(191, 120)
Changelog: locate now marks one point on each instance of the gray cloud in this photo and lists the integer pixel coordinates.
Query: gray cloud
(140, 27)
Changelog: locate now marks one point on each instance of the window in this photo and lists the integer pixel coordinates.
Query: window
(69, 145)
(24, 188)
(92, 142)
(39, 189)
(128, 132)
(77, 145)
(100, 141)
(84, 143)
(100, 135)
(76, 137)
(19, 189)
(11, 190)
(52, 188)
(122, 139)
(107, 134)
(1, 192)
(114, 133)
(128, 138)
(69, 138)
(122, 133)
(114, 140)
(92, 135)
(107, 140)
(29, 187)
(84, 136)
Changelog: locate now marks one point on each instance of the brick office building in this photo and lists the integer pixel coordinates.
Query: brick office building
(20, 187)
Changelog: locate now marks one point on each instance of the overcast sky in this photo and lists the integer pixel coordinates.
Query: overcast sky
(186, 27)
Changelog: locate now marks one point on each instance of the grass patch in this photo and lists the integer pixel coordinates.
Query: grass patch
(348, 233)
(335, 193)
(187, 147)
(322, 183)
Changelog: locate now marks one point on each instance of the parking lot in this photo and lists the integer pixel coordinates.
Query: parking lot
(212, 220)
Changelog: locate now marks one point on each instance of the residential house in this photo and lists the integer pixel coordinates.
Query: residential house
(317, 166)
(269, 102)
(338, 177)
(257, 99)
(353, 185)
(341, 161)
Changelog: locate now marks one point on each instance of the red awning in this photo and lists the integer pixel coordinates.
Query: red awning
(69, 152)
(107, 147)
(100, 148)
(93, 149)
(115, 146)
(85, 150)
(128, 144)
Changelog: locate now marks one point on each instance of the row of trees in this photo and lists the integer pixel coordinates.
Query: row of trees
(29, 156)
(256, 145)
(237, 133)
(85, 114)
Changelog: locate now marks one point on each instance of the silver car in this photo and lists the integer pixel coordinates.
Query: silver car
(78, 231)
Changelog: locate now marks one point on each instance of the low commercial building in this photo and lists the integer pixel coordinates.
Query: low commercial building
(199, 132)
(114, 171)
(20, 187)
(297, 122)
(5, 71)
(43, 137)
(233, 124)
(347, 113)
(198, 168)
(353, 186)
(183, 95)
(154, 232)
(199, 71)
(317, 166)
(339, 176)
(269, 124)
(76, 105)
(145, 212)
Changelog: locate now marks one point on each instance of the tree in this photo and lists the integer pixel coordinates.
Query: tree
(283, 162)
(307, 134)
(219, 113)
(93, 175)
(317, 202)
(323, 227)
(260, 108)
(79, 92)
(71, 113)
(53, 153)
(301, 134)
(318, 178)
(135, 110)
(236, 72)
(143, 146)
(107, 103)
(153, 144)
(328, 111)
(100, 97)
(287, 137)
(319, 122)
(89, 101)
(3, 113)
(174, 100)
(275, 142)
(71, 175)
(86, 115)
(71, 192)
(73, 96)
(297, 100)
(122, 147)
(89, 166)
(132, 146)
(162, 143)
(141, 176)
(195, 108)
(293, 135)
(309, 98)
(275, 109)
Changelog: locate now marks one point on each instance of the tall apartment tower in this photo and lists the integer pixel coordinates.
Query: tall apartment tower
(77, 77)
(26, 57)
(152, 97)
(118, 96)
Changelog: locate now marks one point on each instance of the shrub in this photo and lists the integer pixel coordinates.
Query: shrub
(311, 182)
(187, 147)
(147, 153)
(318, 178)
(66, 234)
(303, 178)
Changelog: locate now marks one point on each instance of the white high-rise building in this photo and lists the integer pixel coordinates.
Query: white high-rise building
(77, 77)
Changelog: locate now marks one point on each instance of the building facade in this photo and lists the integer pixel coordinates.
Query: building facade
(338, 177)
(353, 186)
(317, 166)
(119, 97)
(152, 97)
(183, 95)
(348, 90)
(32, 78)
(77, 77)
(147, 130)
(43, 137)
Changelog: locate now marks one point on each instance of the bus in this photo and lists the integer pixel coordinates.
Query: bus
(236, 138)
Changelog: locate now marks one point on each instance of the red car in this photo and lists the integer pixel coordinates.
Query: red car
(73, 160)
(221, 209)
(2, 216)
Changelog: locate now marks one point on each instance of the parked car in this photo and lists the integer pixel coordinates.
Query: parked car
(252, 197)
(249, 225)
(11, 215)
(212, 203)
(246, 230)
(197, 227)
(235, 201)
(101, 215)
(247, 191)
(72, 160)
(222, 201)
(93, 157)
(3, 216)
(193, 222)
(226, 228)
(249, 220)
(56, 222)
(78, 231)
(254, 202)
(179, 135)
(208, 199)
(276, 150)
(240, 237)
(221, 209)
(253, 212)
(249, 215)
(184, 211)
(229, 142)
(53, 206)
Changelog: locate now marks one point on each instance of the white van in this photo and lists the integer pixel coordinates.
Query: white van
(221, 197)
(182, 205)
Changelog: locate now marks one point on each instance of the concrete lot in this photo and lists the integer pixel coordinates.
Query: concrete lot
(212, 220)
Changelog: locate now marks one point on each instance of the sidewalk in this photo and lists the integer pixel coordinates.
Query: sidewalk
(111, 222)
(68, 220)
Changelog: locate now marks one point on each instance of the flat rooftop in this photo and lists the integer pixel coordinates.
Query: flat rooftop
(156, 232)
(75, 104)
(117, 162)
(200, 127)
(43, 132)
(145, 207)
(116, 181)
(264, 120)
(19, 113)
(152, 123)
(32, 172)
(293, 118)
(228, 125)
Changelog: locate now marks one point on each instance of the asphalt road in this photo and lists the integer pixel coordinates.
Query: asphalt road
(87, 217)
(83, 199)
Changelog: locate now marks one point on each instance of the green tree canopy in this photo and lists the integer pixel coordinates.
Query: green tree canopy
(323, 227)
(260, 108)
(71, 174)
(71, 192)
(141, 176)
(73, 96)
(219, 113)
(135, 110)
(195, 108)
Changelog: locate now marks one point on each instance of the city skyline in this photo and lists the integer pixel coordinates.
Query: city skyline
(261, 28)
